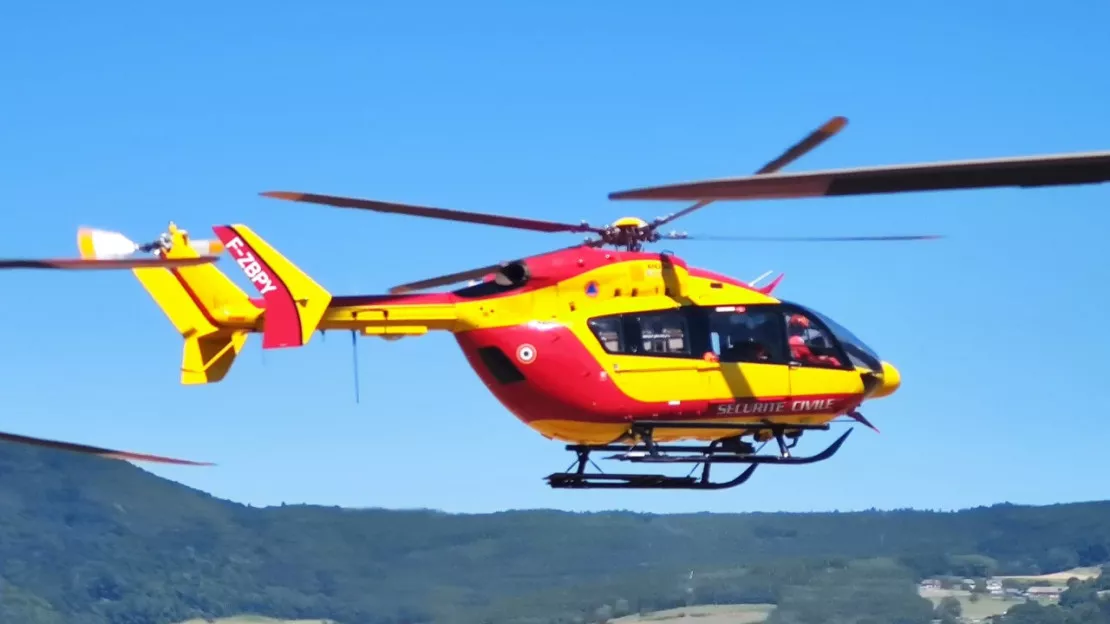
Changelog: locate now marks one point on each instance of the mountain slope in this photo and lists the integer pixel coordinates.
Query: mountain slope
(93, 541)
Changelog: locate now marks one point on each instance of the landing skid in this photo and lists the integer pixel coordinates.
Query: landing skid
(727, 451)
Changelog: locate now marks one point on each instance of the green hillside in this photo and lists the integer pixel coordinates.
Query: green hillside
(91, 541)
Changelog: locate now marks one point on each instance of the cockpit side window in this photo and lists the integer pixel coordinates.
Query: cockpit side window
(610, 332)
(810, 343)
(858, 352)
(747, 334)
(855, 352)
(664, 332)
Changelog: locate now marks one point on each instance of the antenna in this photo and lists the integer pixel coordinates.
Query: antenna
(760, 278)
(354, 353)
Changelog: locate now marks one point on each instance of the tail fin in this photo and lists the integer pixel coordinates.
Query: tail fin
(295, 303)
(195, 299)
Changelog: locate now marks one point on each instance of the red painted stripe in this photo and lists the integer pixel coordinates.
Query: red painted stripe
(281, 326)
(193, 295)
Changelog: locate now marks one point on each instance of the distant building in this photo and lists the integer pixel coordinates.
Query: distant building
(930, 584)
(994, 587)
(1051, 593)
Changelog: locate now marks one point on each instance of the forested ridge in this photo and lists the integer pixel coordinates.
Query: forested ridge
(91, 541)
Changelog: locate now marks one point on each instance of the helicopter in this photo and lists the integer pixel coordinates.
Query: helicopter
(207, 254)
(601, 345)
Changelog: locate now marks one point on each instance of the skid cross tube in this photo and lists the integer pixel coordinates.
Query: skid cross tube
(567, 480)
(725, 451)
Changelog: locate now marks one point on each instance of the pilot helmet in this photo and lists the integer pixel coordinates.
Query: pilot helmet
(798, 320)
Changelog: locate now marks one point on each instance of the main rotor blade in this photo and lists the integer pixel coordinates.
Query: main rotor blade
(444, 280)
(806, 145)
(794, 152)
(95, 450)
(469, 274)
(1024, 172)
(803, 238)
(433, 213)
(104, 263)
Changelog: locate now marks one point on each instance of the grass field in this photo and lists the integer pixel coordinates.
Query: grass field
(986, 606)
(255, 620)
(1058, 578)
(704, 614)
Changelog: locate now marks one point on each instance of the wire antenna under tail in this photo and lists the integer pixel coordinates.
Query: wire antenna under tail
(354, 353)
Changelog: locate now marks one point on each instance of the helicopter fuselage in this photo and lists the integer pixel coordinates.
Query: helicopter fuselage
(576, 343)
(580, 342)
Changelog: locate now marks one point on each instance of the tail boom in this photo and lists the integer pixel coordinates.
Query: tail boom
(294, 306)
(214, 316)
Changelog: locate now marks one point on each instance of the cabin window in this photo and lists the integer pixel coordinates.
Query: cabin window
(747, 334)
(609, 332)
(810, 343)
(661, 333)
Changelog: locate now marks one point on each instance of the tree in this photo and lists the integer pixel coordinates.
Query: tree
(949, 609)
(89, 541)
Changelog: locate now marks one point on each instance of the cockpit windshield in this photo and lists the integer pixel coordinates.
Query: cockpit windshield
(857, 350)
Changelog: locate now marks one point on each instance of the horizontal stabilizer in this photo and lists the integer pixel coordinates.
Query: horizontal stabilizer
(207, 359)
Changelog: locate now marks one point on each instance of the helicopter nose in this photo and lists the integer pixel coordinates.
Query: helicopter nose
(892, 380)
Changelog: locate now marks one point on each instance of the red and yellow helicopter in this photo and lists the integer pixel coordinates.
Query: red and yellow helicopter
(615, 350)
(204, 255)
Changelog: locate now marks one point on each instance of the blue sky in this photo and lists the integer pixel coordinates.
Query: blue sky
(126, 116)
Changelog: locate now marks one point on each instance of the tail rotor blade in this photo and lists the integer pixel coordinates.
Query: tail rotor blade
(95, 243)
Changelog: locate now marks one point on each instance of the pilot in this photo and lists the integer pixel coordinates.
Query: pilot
(799, 347)
(744, 346)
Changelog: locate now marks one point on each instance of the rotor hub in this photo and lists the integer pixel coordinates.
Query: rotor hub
(628, 233)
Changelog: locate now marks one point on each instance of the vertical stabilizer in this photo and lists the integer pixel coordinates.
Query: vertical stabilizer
(295, 303)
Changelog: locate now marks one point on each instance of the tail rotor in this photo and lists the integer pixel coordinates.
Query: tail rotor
(106, 250)
(98, 244)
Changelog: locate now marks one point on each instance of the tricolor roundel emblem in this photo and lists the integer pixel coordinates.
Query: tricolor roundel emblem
(525, 353)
